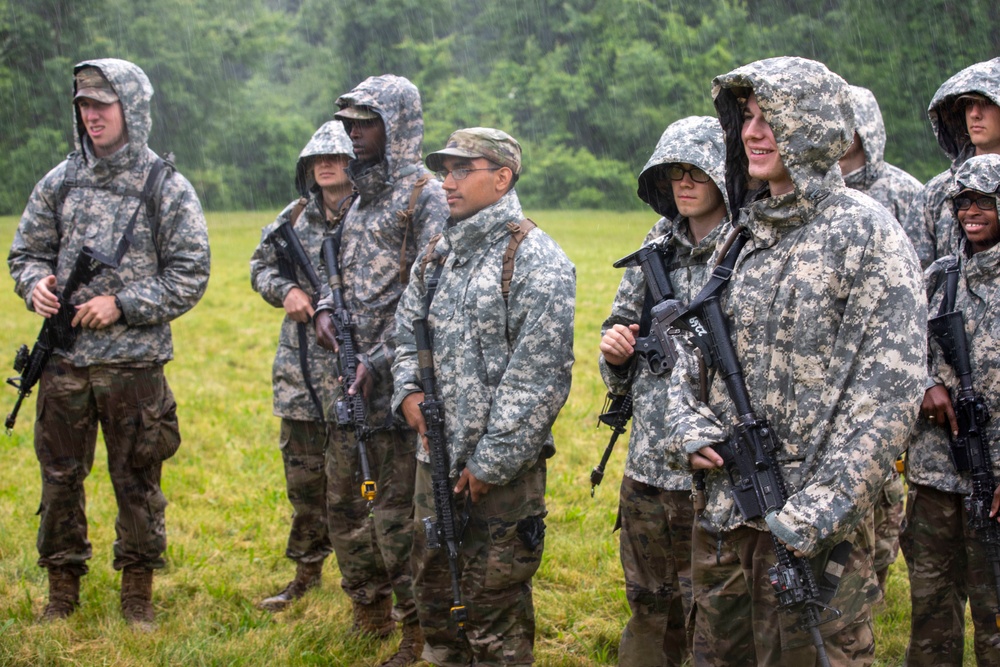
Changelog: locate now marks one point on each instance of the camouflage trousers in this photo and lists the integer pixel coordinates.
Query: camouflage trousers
(501, 550)
(138, 417)
(947, 566)
(888, 522)
(373, 544)
(736, 616)
(303, 452)
(656, 558)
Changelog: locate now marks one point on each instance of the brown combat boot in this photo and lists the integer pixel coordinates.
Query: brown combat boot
(64, 594)
(137, 598)
(373, 619)
(307, 575)
(411, 646)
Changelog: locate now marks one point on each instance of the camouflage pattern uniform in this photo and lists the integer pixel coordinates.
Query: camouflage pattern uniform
(896, 190)
(655, 508)
(503, 374)
(303, 427)
(112, 376)
(946, 563)
(827, 318)
(374, 231)
(931, 212)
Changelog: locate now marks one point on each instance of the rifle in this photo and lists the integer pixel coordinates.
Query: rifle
(617, 411)
(970, 451)
(447, 529)
(351, 411)
(57, 331)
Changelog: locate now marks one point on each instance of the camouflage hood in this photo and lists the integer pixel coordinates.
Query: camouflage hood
(980, 173)
(949, 125)
(696, 140)
(134, 91)
(330, 139)
(397, 101)
(809, 110)
(871, 130)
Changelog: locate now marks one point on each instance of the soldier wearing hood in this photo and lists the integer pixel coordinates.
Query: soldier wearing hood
(827, 319)
(965, 116)
(947, 563)
(399, 206)
(304, 374)
(113, 374)
(684, 182)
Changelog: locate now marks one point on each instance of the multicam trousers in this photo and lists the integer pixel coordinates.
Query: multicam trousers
(501, 550)
(656, 558)
(947, 565)
(373, 544)
(138, 417)
(303, 452)
(888, 523)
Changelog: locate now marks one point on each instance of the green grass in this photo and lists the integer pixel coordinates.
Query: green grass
(228, 518)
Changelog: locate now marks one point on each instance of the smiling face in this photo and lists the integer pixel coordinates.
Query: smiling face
(980, 225)
(104, 123)
(761, 149)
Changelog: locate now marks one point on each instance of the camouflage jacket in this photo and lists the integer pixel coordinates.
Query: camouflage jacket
(887, 184)
(375, 234)
(152, 291)
(503, 370)
(929, 210)
(291, 397)
(826, 315)
(697, 141)
(978, 298)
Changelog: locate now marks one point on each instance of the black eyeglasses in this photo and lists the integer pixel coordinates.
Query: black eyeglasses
(364, 123)
(461, 173)
(983, 203)
(675, 172)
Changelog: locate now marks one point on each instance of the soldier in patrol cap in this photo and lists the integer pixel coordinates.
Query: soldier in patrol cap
(503, 350)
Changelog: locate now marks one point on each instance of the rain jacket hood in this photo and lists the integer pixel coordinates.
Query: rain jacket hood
(134, 92)
(949, 123)
(696, 140)
(330, 139)
(980, 173)
(809, 110)
(871, 129)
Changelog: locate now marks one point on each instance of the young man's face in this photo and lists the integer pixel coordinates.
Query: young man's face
(979, 224)
(982, 120)
(367, 138)
(484, 185)
(104, 123)
(762, 150)
(330, 171)
(695, 195)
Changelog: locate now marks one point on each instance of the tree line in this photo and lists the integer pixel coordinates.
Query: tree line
(586, 86)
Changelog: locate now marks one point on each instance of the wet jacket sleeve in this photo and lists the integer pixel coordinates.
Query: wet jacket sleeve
(34, 253)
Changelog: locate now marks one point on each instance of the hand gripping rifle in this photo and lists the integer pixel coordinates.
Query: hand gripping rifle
(970, 451)
(57, 331)
(447, 529)
(351, 410)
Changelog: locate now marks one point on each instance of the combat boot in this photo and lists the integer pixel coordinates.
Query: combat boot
(373, 619)
(307, 575)
(411, 646)
(137, 598)
(64, 594)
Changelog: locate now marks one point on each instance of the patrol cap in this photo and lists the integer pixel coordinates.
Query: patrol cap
(91, 83)
(494, 145)
(356, 113)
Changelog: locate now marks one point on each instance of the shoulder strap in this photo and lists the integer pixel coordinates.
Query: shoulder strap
(518, 230)
(297, 209)
(406, 219)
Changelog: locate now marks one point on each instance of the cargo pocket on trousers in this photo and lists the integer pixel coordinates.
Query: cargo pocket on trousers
(158, 436)
(515, 551)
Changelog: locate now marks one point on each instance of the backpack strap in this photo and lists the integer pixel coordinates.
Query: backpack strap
(406, 219)
(518, 230)
(297, 209)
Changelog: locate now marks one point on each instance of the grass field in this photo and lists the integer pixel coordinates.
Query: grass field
(228, 518)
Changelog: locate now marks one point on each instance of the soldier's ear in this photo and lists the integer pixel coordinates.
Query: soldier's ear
(503, 179)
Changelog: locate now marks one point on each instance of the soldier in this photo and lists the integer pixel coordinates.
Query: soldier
(826, 317)
(947, 563)
(684, 182)
(503, 364)
(865, 170)
(113, 374)
(304, 374)
(398, 208)
(965, 116)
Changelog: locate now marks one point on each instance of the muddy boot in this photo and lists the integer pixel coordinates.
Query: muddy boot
(64, 594)
(373, 619)
(307, 575)
(137, 598)
(410, 647)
